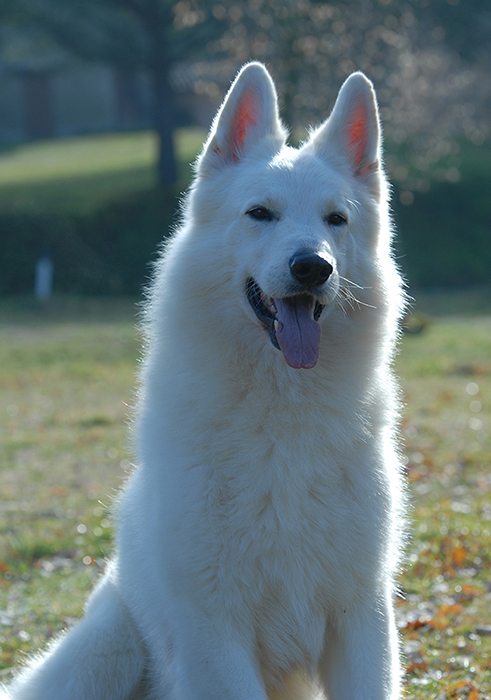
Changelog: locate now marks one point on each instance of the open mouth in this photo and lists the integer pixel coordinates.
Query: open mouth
(292, 323)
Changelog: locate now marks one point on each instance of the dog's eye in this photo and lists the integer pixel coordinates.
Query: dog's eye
(335, 219)
(260, 213)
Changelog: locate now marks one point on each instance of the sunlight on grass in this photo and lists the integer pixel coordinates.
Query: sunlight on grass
(84, 155)
(82, 173)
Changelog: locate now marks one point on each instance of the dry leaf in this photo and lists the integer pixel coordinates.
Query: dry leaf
(457, 555)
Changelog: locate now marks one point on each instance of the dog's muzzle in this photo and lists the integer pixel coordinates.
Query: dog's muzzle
(292, 322)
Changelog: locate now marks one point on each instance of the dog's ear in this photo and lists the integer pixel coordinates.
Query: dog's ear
(352, 132)
(249, 114)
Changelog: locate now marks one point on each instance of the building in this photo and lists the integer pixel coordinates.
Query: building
(46, 92)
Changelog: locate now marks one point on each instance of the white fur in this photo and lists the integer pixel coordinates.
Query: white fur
(259, 537)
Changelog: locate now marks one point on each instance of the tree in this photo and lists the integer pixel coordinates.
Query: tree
(421, 55)
(150, 34)
(417, 52)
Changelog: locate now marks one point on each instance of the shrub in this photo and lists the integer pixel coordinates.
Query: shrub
(103, 253)
(443, 237)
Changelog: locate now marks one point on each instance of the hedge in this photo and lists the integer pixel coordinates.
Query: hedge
(444, 237)
(109, 252)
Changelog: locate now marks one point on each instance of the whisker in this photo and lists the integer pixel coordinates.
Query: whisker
(347, 297)
(362, 303)
(345, 279)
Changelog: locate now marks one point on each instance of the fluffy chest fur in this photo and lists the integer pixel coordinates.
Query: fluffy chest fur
(274, 501)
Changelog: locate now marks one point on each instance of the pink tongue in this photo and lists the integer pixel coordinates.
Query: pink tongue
(298, 334)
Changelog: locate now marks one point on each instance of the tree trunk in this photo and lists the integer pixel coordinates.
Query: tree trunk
(164, 123)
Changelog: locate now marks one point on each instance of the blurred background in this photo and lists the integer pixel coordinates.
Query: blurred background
(103, 103)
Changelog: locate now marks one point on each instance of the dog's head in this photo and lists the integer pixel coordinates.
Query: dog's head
(300, 225)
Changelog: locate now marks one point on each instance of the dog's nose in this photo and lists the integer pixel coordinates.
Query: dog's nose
(309, 268)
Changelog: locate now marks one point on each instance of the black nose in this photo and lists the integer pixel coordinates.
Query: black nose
(310, 269)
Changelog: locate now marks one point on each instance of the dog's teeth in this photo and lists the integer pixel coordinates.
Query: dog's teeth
(275, 323)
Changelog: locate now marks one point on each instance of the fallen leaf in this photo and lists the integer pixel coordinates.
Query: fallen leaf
(449, 609)
(459, 685)
(457, 555)
(423, 621)
(470, 591)
(416, 662)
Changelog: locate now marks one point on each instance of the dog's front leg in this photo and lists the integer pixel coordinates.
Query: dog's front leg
(208, 660)
(361, 656)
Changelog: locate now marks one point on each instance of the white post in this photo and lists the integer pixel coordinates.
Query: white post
(43, 281)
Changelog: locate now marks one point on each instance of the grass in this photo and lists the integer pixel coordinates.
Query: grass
(67, 378)
(446, 374)
(79, 175)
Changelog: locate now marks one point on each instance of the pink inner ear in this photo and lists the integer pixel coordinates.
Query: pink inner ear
(246, 115)
(358, 133)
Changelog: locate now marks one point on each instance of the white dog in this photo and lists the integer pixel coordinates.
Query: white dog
(258, 539)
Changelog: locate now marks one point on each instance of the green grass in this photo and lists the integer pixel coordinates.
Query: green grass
(67, 378)
(446, 374)
(81, 174)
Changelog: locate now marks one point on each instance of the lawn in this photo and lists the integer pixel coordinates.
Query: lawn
(67, 374)
(80, 175)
